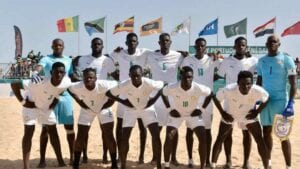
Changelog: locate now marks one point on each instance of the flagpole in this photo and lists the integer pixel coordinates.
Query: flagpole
(189, 32)
(218, 32)
(78, 38)
(275, 26)
(106, 34)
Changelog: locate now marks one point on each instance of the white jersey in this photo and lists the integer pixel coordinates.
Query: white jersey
(185, 102)
(43, 93)
(164, 67)
(96, 98)
(103, 64)
(237, 104)
(231, 66)
(138, 96)
(203, 69)
(125, 60)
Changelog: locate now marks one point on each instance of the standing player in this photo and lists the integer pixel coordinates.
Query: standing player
(204, 68)
(239, 99)
(185, 96)
(137, 91)
(275, 71)
(64, 108)
(38, 104)
(164, 65)
(90, 95)
(104, 67)
(229, 68)
(125, 59)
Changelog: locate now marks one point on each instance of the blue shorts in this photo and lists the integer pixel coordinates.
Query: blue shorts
(268, 113)
(64, 109)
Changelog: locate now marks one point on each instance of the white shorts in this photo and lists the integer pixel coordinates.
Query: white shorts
(148, 116)
(242, 122)
(190, 122)
(47, 117)
(120, 110)
(87, 116)
(162, 112)
(30, 116)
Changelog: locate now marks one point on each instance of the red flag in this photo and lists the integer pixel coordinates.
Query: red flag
(294, 29)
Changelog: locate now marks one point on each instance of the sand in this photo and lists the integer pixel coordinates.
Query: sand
(11, 132)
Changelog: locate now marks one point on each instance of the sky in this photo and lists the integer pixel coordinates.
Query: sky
(37, 22)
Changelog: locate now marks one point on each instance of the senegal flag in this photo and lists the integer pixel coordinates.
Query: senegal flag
(68, 24)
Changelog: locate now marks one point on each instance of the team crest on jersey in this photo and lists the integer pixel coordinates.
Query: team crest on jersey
(193, 97)
(279, 62)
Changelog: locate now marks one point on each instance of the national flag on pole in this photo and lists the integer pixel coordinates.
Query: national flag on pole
(210, 29)
(152, 27)
(19, 42)
(125, 26)
(294, 29)
(238, 28)
(183, 27)
(95, 26)
(70, 24)
(267, 28)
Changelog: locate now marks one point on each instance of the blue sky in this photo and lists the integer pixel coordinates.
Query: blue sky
(37, 21)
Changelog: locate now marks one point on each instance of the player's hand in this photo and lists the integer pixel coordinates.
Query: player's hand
(36, 78)
(252, 114)
(183, 53)
(227, 117)
(196, 112)
(127, 103)
(118, 49)
(83, 105)
(289, 110)
(29, 104)
(174, 113)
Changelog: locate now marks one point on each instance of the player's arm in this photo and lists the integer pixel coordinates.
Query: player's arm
(16, 88)
(54, 103)
(108, 104)
(76, 76)
(78, 100)
(126, 102)
(227, 117)
(259, 80)
(199, 111)
(293, 84)
(152, 100)
(256, 111)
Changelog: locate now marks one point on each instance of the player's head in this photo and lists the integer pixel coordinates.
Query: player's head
(245, 81)
(240, 45)
(132, 40)
(58, 47)
(187, 75)
(97, 45)
(136, 73)
(57, 72)
(164, 41)
(273, 43)
(89, 78)
(200, 45)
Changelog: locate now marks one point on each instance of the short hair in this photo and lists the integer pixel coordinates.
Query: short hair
(185, 69)
(275, 36)
(89, 69)
(96, 39)
(199, 40)
(57, 39)
(135, 67)
(244, 74)
(240, 38)
(58, 64)
(131, 34)
(163, 35)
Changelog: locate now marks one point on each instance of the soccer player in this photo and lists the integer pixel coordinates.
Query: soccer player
(125, 58)
(64, 109)
(239, 106)
(184, 106)
(39, 102)
(164, 65)
(137, 90)
(275, 70)
(204, 71)
(229, 68)
(90, 95)
(104, 67)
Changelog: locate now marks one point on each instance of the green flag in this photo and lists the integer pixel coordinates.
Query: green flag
(95, 26)
(238, 28)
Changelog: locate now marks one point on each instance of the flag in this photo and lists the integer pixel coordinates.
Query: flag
(125, 26)
(210, 29)
(95, 26)
(294, 29)
(267, 28)
(152, 27)
(19, 42)
(70, 24)
(238, 28)
(183, 27)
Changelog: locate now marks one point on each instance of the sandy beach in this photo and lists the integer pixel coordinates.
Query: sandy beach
(11, 127)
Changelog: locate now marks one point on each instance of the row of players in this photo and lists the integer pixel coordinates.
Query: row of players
(163, 65)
